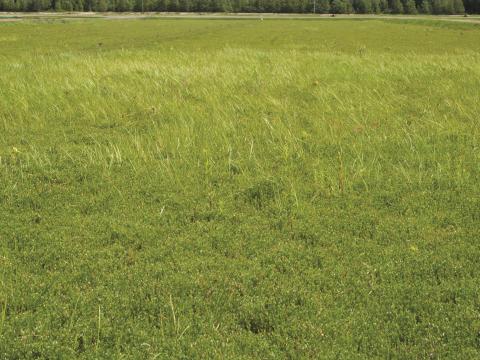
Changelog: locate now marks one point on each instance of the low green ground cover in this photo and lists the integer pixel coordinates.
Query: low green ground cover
(239, 189)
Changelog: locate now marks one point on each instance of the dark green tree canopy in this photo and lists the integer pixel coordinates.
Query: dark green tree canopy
(274, 6)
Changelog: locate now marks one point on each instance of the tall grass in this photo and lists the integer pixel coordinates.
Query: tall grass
(284, 188)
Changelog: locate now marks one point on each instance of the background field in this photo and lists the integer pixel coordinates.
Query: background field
(239, 189)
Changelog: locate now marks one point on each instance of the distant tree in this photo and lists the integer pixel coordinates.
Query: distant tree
(161, 5)
(362, 6)
(77, 5)
(237, 5)
(437, 6)
(425, 7)
(137, 5)
(472, 6)
(66, 5)
(285, 6)
(199, 6)
(173, 5)
(375, 6)
(383, 5)
(444, 6)
(9, 5)
(227, 4)
(100, 5)
(409, 7)
(458, 6)
(338, 7)
(214, 6)
(38, 5)
(322, 7)
(124, 5)
(396, 7)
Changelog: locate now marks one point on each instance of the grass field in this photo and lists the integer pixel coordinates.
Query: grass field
(239, 189)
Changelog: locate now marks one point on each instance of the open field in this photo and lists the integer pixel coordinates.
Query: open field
(239, 189)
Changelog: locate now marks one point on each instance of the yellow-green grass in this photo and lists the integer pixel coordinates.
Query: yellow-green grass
(239, 189)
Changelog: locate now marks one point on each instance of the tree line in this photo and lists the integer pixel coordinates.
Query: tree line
(252, 6)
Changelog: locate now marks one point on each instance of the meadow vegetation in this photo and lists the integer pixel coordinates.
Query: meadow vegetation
(239, 189)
